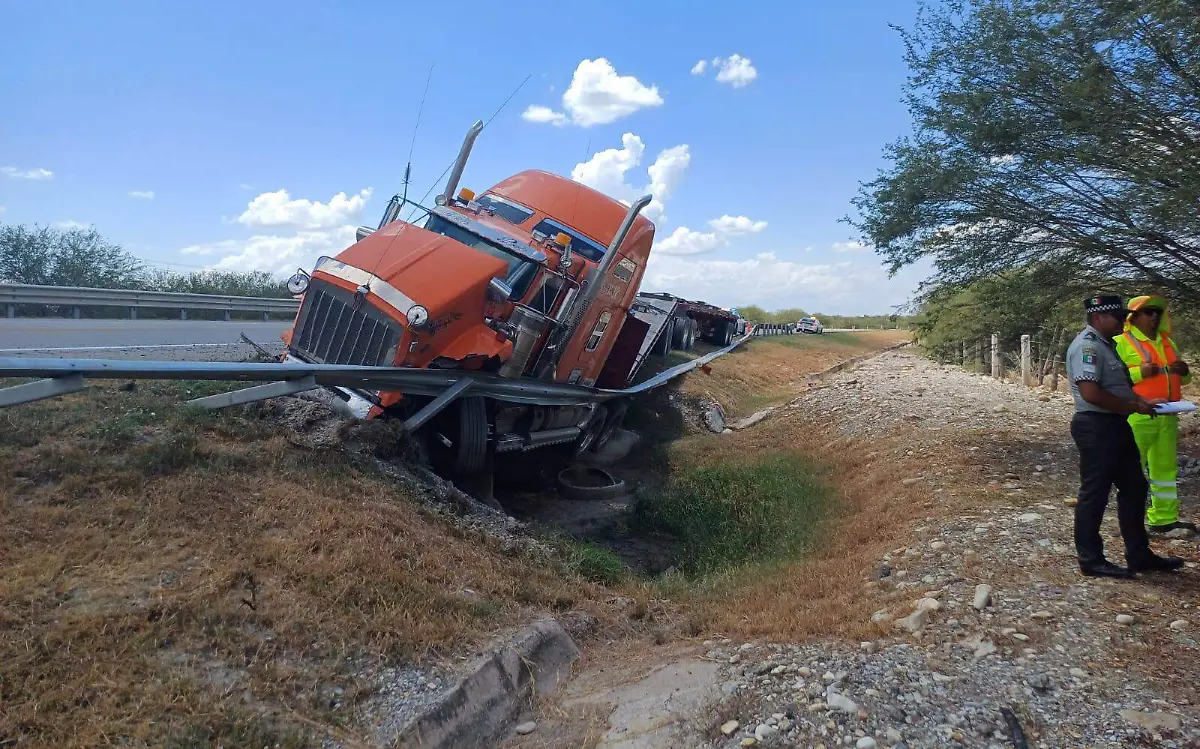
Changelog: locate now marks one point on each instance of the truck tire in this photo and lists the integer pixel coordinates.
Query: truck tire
(679, 334)
(693, 331)
(465, 424)
(662, 346)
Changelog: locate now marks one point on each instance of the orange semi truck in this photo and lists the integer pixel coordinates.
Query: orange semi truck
(533, 278)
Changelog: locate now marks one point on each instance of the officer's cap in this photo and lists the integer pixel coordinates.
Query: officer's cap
(1105, 303)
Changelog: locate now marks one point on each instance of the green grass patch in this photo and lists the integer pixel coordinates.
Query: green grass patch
(723, 516)
(596, 563)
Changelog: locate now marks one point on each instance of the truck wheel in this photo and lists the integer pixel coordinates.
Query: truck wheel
(662, 346)
(692, 329)
(592, 430)
(679, 334)
(465, 425)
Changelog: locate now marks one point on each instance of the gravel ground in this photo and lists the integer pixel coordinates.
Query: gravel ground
(983, 611)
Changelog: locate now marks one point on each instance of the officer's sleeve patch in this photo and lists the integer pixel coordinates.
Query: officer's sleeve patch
(1088, 359)
(1089, 336)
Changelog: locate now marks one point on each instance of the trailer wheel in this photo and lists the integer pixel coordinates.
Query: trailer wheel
(679, 334)
(662, 346)
(692, 330)
(464, 425)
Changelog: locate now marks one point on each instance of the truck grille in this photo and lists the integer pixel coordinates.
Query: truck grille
(334, 330)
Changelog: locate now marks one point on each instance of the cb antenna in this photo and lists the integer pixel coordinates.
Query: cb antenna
(407, 175)
(413, 144)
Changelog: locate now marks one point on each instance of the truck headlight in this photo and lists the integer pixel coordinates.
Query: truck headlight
(298, 283)
(417, 316)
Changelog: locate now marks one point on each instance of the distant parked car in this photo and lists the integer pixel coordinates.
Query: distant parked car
(811, 325)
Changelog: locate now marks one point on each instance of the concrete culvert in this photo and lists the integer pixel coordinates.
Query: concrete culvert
(589, 482)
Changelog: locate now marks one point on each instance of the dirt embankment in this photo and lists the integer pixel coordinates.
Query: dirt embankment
(942, 605)
(183, 579)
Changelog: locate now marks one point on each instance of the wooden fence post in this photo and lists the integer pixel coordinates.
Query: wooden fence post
(997, 370)
(1054, 373)
(1025, 366)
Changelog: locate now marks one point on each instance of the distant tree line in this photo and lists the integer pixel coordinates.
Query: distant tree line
(757, 314)
(1055, 154)
(46, 256)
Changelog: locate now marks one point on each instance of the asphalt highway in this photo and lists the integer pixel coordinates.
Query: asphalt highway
(127, 339)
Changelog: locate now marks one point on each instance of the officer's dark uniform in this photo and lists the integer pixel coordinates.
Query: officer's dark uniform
(1108, 455)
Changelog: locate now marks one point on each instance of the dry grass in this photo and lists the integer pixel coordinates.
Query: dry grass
(174, 579)
(819, 594)
(770, 370)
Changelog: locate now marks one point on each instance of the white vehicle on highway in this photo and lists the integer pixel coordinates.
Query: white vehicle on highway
(810, 325)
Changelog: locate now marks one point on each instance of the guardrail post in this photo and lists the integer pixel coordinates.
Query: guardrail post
(1025, 352)
(12, 310)
(182, 314)
(266, 317)
(133, 313)
(997, 370)
(75, 312)
(228, 315)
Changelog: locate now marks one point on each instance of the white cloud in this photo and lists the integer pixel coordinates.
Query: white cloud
(597, 96)
(1006, 160)
(277, 254)
(685, 241)
(70, 224)
(141, 194)
(849, 247)
(730, 225)
(538, 113)
(606, 172)
(700, 67)
(245, 186)
(776, 283)
(2, 210)
(34, 174)
(303, 230)
(278, 210)
(735, 70)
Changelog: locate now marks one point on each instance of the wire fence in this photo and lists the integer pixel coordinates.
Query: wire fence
(1037, 358)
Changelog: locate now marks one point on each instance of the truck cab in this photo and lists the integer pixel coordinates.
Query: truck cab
(532, 278)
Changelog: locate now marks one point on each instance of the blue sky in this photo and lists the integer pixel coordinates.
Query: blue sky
(215, 108)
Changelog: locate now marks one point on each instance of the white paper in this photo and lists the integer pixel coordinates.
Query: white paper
(1175, 407)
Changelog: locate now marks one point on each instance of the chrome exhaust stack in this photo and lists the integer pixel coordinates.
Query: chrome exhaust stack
(461, 162)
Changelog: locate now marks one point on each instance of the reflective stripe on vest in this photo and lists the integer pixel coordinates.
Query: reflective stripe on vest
(1152, 387)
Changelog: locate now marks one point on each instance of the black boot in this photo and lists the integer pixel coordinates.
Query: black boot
(1176, 526)
(1151, 562)
(1105, 568)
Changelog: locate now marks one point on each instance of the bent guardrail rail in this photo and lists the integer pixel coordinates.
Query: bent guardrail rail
(64, 376)
(14, 294)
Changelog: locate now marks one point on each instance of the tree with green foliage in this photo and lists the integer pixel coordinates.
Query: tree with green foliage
(1061, 134)
(74, 257)
(46, 256)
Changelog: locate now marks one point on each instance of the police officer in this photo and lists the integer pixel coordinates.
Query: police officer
(1108, 455)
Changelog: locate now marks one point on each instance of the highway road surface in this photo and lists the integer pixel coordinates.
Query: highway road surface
(136, 339)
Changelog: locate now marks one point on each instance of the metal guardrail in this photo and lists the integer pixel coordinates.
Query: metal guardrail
(13, 295)
(67, 375)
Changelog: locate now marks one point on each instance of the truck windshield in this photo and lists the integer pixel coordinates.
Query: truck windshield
(589, 248)
(520, 270)
(513, 213)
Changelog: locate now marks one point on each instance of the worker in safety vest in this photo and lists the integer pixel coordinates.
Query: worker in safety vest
(1157, 372)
